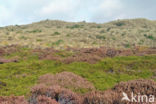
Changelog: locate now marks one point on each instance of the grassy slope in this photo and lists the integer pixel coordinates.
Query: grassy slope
(59, 34)
(20, 76)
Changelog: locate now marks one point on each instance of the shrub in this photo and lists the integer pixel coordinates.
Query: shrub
(75, 26)
(127, 45)
(35, 31)
(108, 29)
(102, 31)
(99, 26)
(58, 42)
(23, 37)
(13, 100)
(100, 37)
(145, 87)
(2, 84)
(111, 53)
(66, 80)
(56, 33)
(107, 97)
(123, 34)
(61, 95)
(68, 35)
(119, 23)
(45, 100)
(149, 37)
(39, 40)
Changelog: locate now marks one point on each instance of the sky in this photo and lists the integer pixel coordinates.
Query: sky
(27, 11)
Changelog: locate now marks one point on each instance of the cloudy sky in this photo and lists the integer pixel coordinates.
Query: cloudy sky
(27, 11)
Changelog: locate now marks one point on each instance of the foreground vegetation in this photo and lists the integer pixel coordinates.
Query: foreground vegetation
(21, 76)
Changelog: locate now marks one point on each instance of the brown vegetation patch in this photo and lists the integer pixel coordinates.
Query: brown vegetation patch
(106, 97)
(66, 80)
(45, 100)
(2, 60)
(13, 100)
(92, 55)
(2, 52)
(9, 49)
(114, 96)
(61, 95)
(43, 94)
(144, 87)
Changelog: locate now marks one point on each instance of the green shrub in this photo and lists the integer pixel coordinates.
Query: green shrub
(149, 37)
(123, 34)
(56, 33)
(39, 40)
(23, 37)
(68, 35)
(127, 45)
(108, 29)
(102, 31)
(100, 37)
(58, 42)
(119, 23)
(35, 31)
(75, 26)
(99, 26)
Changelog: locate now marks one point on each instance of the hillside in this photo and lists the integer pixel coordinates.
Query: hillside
(60, 34)
(57, 62)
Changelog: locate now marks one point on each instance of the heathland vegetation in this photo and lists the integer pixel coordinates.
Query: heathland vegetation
(56, 62)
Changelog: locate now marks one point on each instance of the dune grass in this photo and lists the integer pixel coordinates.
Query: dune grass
(59, 34)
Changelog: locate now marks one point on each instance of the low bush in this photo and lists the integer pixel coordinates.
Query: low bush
(149, 37)
(61, 95)
(56, 33)
(100, 37)
(145, 87)
(106, 97)
(13, 100)
(45, 100)
(66, 80)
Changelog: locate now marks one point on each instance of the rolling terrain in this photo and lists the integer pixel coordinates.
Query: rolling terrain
(60, 34)
(57, 62)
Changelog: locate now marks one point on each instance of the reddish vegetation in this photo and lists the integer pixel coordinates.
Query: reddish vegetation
(114, 96)
(61, 95)
(54, 94)
(6, 51)
(106, 97)
(92, 55)
(145, 87)
(2, 52)
(45, 100)
(9, 49)
(2, 60)
(13, 100)
(66, 80)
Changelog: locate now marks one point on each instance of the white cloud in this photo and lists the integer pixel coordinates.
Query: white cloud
(110, 6)
(5, 15)
(67, 10)
(26, 11)
(57, 7)
(108, 10)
